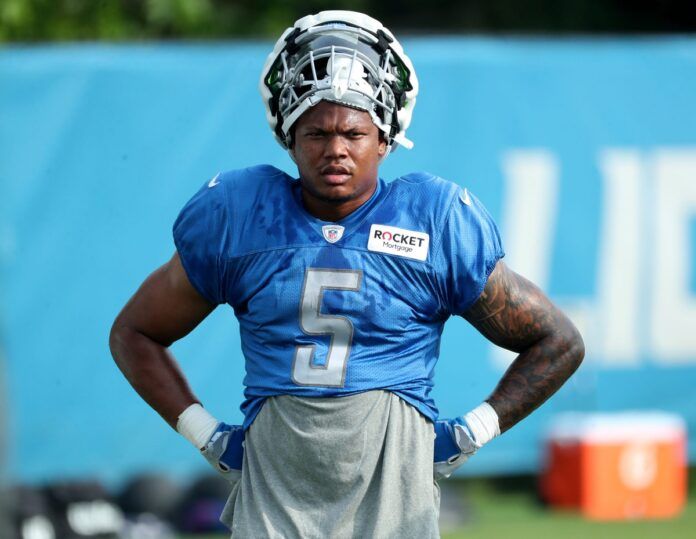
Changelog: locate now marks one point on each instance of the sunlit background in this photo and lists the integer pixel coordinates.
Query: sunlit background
(574, 122)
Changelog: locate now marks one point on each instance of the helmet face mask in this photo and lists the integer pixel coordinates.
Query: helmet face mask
(343, 57)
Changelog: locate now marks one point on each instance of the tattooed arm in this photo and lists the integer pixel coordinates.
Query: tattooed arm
(514, 314)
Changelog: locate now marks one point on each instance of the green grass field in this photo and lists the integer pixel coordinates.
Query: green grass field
(497, 512)
(509, 508)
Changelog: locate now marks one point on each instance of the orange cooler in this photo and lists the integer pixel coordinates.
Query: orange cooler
(617, 466)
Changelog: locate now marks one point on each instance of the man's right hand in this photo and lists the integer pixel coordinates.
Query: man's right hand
(225, 450)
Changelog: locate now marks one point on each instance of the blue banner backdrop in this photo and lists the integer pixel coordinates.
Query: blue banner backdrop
(583, 150)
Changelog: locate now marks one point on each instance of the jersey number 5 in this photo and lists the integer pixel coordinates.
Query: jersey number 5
(333, 372)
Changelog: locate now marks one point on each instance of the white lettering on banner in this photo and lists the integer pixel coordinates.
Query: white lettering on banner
(644, 306)
(673, 320)
(619, 264)
(530, 205)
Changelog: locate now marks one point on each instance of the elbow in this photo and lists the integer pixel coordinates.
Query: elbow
(575, 347)
(114, 339)
(117, 339)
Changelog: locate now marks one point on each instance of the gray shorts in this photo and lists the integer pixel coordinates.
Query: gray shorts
(356, 466)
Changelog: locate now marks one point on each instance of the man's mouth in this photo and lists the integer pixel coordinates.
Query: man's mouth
(335, 174)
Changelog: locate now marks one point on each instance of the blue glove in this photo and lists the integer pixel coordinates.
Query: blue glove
(225, 451)
(454, 444)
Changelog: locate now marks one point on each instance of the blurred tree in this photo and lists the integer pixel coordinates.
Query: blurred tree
(59, 20)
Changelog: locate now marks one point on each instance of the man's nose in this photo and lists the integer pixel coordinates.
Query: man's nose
(335, 146)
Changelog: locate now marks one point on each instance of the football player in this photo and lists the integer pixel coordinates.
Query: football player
(341, 283)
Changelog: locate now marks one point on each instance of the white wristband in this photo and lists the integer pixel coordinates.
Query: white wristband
(196, 425)
(483, 423)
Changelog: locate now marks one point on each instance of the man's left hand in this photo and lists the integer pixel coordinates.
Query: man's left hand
(454, 444)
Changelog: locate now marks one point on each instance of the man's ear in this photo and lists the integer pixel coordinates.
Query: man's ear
(382, 149)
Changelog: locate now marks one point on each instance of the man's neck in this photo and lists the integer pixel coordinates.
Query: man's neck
(330, 210)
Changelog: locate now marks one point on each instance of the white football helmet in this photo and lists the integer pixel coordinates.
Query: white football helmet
(344, 57)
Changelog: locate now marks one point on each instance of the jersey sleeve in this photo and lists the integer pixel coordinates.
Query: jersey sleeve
(471, 247)
(200, 232)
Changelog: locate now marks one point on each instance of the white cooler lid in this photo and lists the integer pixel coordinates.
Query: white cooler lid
(629, 426)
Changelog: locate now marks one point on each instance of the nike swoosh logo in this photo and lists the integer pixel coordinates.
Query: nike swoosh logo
(464, 197)
(214, 181)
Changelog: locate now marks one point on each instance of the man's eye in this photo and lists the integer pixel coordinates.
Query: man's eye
(356, 134)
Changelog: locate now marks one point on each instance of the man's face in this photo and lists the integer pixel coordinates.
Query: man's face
(337, 150)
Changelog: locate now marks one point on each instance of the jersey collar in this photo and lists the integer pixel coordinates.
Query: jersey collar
(350, 222)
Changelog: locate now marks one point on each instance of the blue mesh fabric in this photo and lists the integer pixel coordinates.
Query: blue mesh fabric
(249, 242)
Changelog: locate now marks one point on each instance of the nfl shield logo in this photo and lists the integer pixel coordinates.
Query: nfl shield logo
(332, 233)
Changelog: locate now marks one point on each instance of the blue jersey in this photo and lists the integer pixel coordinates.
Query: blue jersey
(333, 309)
